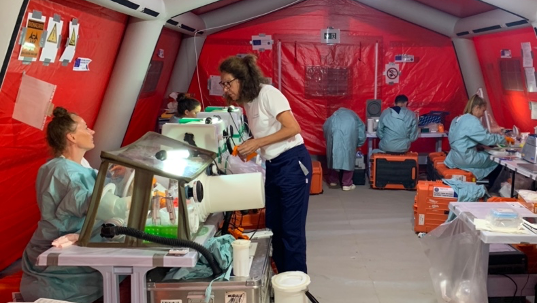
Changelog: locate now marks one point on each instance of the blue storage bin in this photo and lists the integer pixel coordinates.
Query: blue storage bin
(432, 117)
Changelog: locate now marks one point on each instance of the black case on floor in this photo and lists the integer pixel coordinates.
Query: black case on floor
(358, 178)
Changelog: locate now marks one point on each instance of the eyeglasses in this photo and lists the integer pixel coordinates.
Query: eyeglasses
(226, 84)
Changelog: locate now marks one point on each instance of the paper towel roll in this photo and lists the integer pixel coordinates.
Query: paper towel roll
(370, 125)
(232, 192)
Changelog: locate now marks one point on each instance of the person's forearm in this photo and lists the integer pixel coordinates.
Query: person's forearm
(281, 135)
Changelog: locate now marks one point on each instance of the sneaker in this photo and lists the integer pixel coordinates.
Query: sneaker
(349, 187)
(332, 184)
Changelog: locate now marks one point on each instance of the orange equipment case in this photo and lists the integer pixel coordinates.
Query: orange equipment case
(444, 172)
(316, 178)
(394, 171)
(431, 160)
(431, 205)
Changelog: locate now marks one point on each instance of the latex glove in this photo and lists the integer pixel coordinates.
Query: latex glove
(65, 241)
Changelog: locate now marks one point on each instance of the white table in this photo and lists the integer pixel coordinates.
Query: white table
(438, 136)
(498, 285)
(115, 262)
(512, 163)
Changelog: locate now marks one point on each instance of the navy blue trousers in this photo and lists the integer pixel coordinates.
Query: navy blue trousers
(287, 191)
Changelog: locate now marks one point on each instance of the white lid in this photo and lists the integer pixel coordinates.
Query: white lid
(291, 281)
(240, 243)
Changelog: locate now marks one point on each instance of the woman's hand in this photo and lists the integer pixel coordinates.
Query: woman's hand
(117, 171)
(497, 130)
(248, 147)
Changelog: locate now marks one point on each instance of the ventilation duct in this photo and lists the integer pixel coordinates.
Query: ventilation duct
(488, 22)
(142, 9)
(187, 23)
(240, 12)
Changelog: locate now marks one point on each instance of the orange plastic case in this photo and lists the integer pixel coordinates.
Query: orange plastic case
(316, 178)
(390, 171)
(444, 172)
(433, 158)
(431, 205)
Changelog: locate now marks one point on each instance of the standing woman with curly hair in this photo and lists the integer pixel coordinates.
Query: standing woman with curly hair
(276, 134)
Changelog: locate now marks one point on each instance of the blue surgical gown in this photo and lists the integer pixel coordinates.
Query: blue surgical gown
(64, 190)
(344, 132)
(465, 133)
(396, 130)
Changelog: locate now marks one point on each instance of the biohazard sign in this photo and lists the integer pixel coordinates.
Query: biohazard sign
(31, 37)
(53, 40)
(392, 73)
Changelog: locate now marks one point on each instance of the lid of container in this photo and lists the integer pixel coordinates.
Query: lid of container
(241, 243)
(504, 213)
(291, 281)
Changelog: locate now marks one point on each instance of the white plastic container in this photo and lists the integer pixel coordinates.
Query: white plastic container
(504, 219)
(290, 287)
(241, 258)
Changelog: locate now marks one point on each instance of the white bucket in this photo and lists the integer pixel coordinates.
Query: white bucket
(290, 287)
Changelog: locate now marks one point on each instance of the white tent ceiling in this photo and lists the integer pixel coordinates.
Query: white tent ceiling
(453, 18)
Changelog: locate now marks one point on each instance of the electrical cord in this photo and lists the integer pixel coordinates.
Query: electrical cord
(226, 25)
(110, 230)
(516, 287)
(311, 297)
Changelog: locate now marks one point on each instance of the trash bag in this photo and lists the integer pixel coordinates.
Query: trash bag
(458, 263)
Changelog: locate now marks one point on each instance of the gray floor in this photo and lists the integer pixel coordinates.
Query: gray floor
(362, 248)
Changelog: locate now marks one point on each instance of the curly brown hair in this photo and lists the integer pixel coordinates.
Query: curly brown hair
(250, 77)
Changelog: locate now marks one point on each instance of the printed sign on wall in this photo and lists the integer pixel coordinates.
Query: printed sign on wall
(31, 37)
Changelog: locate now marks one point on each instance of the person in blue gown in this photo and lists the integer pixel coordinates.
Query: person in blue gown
(187, 107)
(397, 127)
(466, 135)
(64, 187)
(344, 132)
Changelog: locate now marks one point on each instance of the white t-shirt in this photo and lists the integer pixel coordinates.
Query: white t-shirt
(262, 113)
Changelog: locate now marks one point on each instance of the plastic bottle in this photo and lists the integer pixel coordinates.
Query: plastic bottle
(359, 161)
(440, 128)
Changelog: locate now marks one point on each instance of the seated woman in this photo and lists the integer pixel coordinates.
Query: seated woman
(64, 187)
(465, 135)
(187, 107)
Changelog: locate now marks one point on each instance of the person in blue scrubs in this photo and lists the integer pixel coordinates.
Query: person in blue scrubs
(64, 187)
(276, 134)
(187, 107)
(397, 128)
(466, 134)
(344, 131)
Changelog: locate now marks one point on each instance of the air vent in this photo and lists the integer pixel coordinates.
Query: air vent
(150, 12)
(463, 33)
(186, 27)
(127, 3)
(172, 22)
(486, 29)
(516, 23)
(190, 29)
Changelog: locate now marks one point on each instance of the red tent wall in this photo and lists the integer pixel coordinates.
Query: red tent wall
(148, 107)
(23, 148)
(432, 82)
(509, 107)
